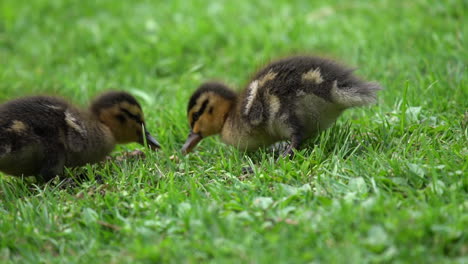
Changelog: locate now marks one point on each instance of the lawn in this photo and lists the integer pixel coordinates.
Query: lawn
(386, 184)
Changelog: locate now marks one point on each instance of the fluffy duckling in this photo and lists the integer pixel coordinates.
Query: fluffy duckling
(39, 135)
(293, 98)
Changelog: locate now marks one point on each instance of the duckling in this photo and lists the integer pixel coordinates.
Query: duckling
(293, 98)
(40, 135)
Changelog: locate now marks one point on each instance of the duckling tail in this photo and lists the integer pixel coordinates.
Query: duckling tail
(361, 93)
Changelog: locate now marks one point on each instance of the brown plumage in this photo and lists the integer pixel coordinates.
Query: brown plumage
(293, 98)
(40, 135)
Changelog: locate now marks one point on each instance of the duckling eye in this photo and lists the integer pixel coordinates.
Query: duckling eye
(195, 117)
(197, 114)
(121, 118)
(210, 111)
(137, 117)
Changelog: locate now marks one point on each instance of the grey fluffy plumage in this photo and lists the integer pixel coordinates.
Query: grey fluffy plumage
(294, 98)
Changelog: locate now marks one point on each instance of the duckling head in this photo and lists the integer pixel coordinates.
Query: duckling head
(123, 115)
(207, 111)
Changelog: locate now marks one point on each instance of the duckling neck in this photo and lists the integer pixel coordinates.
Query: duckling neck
(232, 127)
(102, 138)
(92, 144)
(239, 133)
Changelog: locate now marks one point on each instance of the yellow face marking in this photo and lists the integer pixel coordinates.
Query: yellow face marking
(124, 132)
(212, 119)
(17, 126)
(197, 107)
(313, 76)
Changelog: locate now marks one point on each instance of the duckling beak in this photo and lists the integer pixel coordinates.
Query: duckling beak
(151, 141)
(191, 142)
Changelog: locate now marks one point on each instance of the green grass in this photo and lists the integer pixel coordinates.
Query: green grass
(386, 184)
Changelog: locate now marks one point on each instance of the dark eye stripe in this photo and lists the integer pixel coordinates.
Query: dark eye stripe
(137, 118)
(197, 115)
(121, 118)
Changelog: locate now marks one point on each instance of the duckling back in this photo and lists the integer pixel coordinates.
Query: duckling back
(39, 135)
(295, 98)
(24, 125)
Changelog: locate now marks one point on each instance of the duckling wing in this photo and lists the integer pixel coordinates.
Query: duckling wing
(331, 81)
(281, 85)
(269, 91)
(40, 118)
(30, 116)
(28, 129)
(297, 76)
(252, 106)
(76, 132)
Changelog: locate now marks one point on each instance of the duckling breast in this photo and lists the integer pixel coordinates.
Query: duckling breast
(238, 133)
